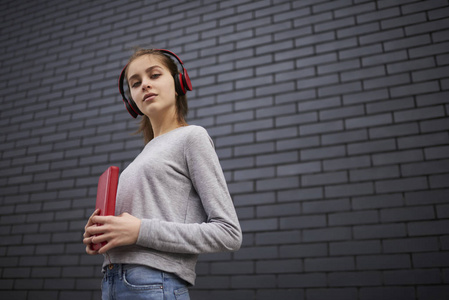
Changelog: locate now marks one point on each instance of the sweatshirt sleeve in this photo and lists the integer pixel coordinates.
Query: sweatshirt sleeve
(221, 231)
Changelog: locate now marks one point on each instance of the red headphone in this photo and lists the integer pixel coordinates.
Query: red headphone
(182, 85)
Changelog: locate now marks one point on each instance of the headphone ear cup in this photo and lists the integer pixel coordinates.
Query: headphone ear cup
(179, 85)
(134, 107)
(130, 110)
(130, 105)
(186, 80)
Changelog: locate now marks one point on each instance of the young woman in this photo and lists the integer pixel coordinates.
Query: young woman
(172, 200)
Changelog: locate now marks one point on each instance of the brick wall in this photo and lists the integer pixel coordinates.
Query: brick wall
(330, 119)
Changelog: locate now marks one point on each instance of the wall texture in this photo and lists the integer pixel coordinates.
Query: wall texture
(330, 119)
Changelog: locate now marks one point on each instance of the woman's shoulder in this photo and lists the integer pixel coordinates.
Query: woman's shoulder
(197, 134)
(196, 130)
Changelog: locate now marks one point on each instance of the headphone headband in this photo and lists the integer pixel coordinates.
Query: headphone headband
(182, 84)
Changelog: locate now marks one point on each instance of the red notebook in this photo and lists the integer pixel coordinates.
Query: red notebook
(106, 193)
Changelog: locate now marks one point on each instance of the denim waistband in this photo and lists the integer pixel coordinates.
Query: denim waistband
(119, 269)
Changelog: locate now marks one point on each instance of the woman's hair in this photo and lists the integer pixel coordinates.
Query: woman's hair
(181, 101)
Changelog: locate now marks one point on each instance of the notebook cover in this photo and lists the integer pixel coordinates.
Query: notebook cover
(106, 194)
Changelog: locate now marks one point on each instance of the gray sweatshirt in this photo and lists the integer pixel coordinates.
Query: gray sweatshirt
(177, 188)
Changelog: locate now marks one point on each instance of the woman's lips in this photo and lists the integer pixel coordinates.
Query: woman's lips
(149, 97)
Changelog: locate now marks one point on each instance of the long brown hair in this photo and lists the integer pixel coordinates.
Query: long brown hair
(181, 101)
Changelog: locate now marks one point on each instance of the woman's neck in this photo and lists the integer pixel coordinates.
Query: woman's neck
(165, 125)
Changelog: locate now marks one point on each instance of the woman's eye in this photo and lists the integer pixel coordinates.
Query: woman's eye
(155, 76)
(135, 84)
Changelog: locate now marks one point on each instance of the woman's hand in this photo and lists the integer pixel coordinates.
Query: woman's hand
(116, 231)
(87, 237)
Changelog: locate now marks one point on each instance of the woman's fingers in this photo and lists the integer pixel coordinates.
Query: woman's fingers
(87, 236)
(113, 230)
(90, 220)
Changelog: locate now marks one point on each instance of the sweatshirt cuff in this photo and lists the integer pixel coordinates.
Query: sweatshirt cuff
(144, 239)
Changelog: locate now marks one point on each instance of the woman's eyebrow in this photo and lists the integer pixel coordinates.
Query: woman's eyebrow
(146, 71)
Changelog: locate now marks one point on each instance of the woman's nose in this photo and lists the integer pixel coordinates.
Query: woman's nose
(146, 84)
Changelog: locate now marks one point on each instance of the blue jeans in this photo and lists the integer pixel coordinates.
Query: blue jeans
(134, 282)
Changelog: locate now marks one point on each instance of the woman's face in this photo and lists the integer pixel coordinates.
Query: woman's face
(152, 86)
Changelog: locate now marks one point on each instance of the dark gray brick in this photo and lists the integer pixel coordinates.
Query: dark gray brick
(374, 173)
(419, 88)
(442, 211)
(406, 184)
(379, 231)
(387, 293)
(325, 206)
(423, 140)
(321, 127)
(319, 104)
(346, 163)
(288, 294)
(302, 280)
(300, 168)
(251, 174)
(431, 167)
(277, 158)
(411, 65)
(436, 152)
(285, 71)
(371, 147)
(253, 281)
(326, 234)
(323, 152)
(278, 238)
(397, 157)
(394, 130)
(276, 134)
(345, 279)
(340, 89)
(431, 259)
(334, 24)
(329, 293)
(221, 268)
(329, 264)
(381, 36)
(324, 178)
(275, 89)
(427, 228)
(301, 194)
(419, 114)
(368, 121)
(278, 110)
(408, 42)
(337, 45)
(235, 140)
(384, 58)
(378, 201)
(255, 148)
(315, 60)
(439, 181)
(267, 252)
(352, 218)
(365, 96)
(355, 248)
(411, 277)
(411, 245)
(360, 51)
(303, 250)
(303, 222)
(386, 81)
(433, 292)
(277, 183)
(235, 117)
(344, 137)
(435, 125)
